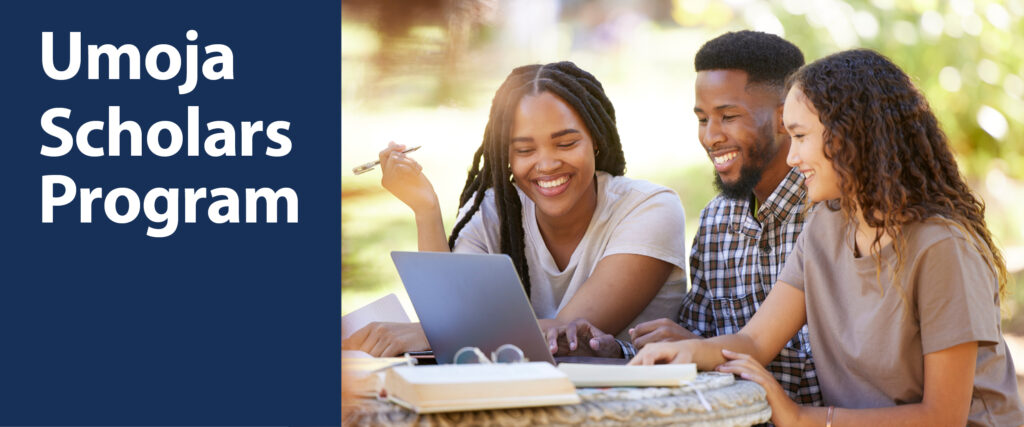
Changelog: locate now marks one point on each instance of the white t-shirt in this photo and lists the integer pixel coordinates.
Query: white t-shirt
(632, 217)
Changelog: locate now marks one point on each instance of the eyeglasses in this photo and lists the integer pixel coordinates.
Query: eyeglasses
(507, 353)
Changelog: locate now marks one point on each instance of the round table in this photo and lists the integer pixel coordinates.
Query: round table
(712, 399)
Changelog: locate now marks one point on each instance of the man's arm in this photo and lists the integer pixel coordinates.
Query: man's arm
(660, 330)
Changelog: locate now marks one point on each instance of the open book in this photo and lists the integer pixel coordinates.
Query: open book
(590, 375)
(444, 388)
(384, 309)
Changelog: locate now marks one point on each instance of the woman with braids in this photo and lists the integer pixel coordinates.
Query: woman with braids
(895, 273)
(546, 188)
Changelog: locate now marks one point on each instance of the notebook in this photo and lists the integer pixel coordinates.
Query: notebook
(590, 375)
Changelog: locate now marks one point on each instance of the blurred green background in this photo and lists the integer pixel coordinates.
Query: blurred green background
(422, 72)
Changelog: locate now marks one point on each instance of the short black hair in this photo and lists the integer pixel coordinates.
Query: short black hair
(766, 58)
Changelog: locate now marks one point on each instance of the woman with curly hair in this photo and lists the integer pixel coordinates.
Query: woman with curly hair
(895, 273)
(546, 188)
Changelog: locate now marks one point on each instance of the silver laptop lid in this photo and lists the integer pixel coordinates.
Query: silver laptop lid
(470, 300)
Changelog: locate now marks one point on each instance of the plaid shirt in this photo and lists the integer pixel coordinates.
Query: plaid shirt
(734, 262)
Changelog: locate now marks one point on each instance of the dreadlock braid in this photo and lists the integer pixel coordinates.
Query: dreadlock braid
(490, 168)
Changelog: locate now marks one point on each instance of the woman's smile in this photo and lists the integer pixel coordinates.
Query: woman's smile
(551, 186)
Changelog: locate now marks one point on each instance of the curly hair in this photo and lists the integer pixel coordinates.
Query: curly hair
(893, 161)
(584, 94)
(766, 58)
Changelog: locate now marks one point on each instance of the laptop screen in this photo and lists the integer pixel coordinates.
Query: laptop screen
(470, 300)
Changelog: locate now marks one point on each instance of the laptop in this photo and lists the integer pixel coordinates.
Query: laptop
(470, 300)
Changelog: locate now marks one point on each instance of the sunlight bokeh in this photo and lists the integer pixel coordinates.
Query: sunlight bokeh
(422, 72)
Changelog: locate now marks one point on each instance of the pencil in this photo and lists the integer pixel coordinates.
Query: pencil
(366, 167)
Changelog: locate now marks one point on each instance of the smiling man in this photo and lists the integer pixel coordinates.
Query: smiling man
(746, 232)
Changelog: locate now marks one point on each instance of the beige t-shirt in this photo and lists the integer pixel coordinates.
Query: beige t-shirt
(631, 217)
(868, 349)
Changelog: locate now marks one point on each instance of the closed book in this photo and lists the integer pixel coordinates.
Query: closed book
(364, 376)
(445, 388)
(594, 375)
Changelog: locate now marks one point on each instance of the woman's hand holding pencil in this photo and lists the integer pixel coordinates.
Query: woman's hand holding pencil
(403, 177)
(368, 166)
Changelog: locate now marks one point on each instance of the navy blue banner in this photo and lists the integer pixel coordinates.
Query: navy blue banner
(185, 268)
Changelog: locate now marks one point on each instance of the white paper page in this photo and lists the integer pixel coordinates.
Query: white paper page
(478, 373)
(355, 354)
(384, 309)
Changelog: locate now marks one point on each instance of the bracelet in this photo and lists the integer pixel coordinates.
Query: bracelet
(828, 417)
(628, 351)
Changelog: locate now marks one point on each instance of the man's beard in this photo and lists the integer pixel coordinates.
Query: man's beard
(755, 160)
(743, 187)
